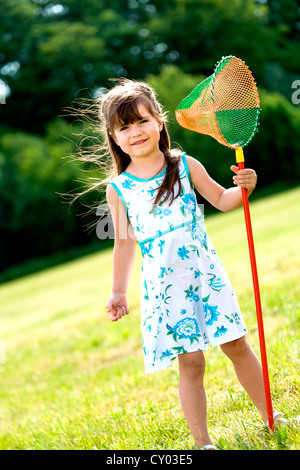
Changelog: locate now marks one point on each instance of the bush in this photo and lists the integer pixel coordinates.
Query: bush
(33, 172)
(33, 221)
(276, 147)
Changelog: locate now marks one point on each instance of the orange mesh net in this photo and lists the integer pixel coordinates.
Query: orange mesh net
(225, 105)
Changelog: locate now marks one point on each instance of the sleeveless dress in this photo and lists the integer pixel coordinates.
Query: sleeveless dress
(187, 301)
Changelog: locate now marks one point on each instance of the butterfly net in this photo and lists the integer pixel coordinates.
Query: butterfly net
(225, 106)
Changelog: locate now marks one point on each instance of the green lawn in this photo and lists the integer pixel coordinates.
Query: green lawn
(74, 380)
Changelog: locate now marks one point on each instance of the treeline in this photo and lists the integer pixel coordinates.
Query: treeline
(52, 52)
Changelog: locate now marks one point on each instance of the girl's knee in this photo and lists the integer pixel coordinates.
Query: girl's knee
(236, 347)
(192, 364)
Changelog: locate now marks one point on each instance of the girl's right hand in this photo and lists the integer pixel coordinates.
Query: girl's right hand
(117, 306)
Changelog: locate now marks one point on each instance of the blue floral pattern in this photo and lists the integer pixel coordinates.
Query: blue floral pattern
(187, 328)
(128, 184)
(187, 301)
(189, 204)
(183, 252)
(160, 212)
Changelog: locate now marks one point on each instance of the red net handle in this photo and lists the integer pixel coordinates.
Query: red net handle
(261, 333)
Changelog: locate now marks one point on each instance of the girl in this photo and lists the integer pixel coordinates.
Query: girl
(187, 301)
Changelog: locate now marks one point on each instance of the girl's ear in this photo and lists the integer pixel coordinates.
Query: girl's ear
(160, 124)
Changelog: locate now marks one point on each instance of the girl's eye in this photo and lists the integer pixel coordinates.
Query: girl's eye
(124, 128)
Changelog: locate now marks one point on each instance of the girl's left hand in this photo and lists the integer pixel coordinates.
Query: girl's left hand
(246, 178)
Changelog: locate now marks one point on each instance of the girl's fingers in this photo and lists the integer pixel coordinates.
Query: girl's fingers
(116, 313)
(244, 181)
(245, 171)
(113, 316)
(245, 178)
(121, 311)
(125, 310)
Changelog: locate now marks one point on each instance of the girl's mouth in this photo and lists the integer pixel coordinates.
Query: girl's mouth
(140, 142)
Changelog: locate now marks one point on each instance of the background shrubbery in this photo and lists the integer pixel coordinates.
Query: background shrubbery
(54, 52)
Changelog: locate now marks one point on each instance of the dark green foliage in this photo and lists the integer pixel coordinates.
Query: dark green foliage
(52, 52)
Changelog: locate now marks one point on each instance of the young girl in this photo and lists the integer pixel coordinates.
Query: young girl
(187, 301)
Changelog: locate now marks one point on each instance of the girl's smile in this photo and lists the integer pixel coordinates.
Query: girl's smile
(142, 135)
(140, 142)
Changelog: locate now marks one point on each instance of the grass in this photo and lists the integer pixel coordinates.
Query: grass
(74, 380)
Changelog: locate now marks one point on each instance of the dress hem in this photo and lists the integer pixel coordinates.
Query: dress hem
(168, 361)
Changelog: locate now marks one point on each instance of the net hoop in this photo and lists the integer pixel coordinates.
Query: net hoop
(225, 105)
(254, 85)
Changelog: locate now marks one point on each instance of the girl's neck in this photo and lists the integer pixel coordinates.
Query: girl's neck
(147, 167)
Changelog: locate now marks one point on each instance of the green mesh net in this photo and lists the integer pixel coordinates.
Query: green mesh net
(225, 105)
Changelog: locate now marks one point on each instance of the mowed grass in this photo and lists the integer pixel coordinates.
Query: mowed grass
(74, 380)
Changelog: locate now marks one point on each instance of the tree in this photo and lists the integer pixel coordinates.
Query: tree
(61, 50)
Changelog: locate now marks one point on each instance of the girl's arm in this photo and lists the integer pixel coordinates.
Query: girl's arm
(123, 256)
(221, 198)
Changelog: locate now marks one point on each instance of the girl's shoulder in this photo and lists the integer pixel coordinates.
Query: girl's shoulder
(114, 193)
(185, 163)
(192, 163)
(116, 180)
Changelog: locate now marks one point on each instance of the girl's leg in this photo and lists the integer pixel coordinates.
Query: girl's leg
(192, 395)
(249, 372)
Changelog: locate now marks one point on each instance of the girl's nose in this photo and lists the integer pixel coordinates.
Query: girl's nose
(135, 129)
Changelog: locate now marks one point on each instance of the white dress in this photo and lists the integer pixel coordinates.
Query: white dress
(187, 301)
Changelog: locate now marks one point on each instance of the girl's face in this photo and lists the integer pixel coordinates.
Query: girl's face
(139, 138)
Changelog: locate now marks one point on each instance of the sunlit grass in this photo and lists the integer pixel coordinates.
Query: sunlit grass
(75, 380)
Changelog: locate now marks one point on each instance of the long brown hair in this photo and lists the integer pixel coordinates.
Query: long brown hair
(120, 107)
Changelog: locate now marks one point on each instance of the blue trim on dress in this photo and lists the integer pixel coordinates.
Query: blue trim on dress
(120, 194)
(144, 179)
(171, 229)
(187, 168)
(162, 173)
